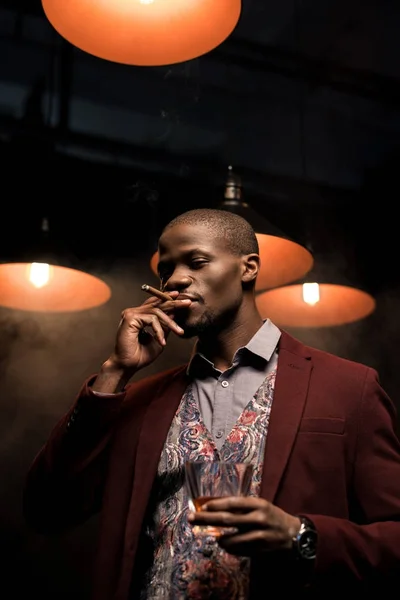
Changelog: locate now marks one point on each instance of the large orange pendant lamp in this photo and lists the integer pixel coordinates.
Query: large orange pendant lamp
(144, 32)
(312, 304)
(282, 259)
(42, 284)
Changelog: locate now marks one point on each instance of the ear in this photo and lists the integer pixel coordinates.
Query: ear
(251, 267)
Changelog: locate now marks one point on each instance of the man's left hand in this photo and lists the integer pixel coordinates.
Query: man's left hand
(258, 526)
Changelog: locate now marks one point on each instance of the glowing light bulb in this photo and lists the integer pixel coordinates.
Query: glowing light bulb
(39, 274)
(311, 293)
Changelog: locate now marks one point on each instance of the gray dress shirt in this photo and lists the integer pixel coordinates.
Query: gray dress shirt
(222, 396)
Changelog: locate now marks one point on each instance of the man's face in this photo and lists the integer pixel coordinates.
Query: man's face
(198, 264)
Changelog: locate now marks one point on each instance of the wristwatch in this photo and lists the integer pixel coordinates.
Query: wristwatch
(305, 541)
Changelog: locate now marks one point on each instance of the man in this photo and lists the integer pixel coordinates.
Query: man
(323, 513)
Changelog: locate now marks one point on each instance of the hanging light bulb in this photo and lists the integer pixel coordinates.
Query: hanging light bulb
(311, 293)
(39, 274)
(39, 282)
(144, 32)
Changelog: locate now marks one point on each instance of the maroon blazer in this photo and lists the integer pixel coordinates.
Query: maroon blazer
(331, 454)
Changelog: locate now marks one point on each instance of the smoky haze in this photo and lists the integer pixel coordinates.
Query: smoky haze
(44, 360)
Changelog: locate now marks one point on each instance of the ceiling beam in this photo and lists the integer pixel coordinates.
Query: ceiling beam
(316, 72)
(265, 185)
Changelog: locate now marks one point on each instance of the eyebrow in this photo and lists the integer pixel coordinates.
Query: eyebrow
(197, 251)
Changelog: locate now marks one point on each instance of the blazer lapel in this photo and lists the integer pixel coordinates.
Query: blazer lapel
(155, 425)
(290, 394)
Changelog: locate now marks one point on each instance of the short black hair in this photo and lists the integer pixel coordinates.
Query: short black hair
(238, 233)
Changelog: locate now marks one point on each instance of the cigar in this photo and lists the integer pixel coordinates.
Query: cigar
(155, 292)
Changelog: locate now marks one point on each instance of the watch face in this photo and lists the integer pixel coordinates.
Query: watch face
(307, 544)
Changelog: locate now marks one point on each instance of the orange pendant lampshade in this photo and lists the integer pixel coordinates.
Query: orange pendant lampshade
(44, 283)
(316, 305)
(49, 288)
(144, 32)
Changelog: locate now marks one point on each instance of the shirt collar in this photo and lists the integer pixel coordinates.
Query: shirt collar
(263, 344)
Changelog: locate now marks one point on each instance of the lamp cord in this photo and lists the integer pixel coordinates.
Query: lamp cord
(301, 95)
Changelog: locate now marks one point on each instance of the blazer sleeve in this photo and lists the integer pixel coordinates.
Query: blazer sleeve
(365, 550)
(65, 482)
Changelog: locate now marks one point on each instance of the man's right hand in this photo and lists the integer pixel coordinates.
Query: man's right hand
(141, 337)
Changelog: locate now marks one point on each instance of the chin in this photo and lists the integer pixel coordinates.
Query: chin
(194, 326)
(196, 329)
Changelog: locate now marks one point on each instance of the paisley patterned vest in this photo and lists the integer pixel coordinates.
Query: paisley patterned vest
(185, 566)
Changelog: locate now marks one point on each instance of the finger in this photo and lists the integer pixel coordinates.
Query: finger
(158, 325)
(247, 543)
(236, 503)
(152, 316)
(151, 299)
(173, 305)
(166, 321)
(157, 332)
(167, 306)
(253, 520)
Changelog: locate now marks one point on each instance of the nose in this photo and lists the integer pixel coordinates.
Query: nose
(178, 280)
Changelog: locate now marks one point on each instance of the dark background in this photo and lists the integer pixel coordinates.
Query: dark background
(110, 153)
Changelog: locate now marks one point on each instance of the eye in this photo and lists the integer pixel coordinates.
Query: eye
(198, 263)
